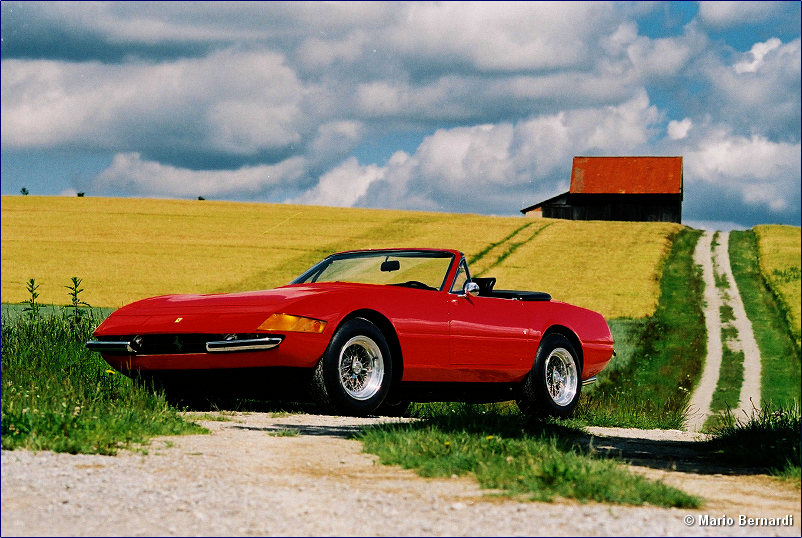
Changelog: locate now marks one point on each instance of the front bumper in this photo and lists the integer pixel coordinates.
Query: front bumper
(131, 346)
(160, 352)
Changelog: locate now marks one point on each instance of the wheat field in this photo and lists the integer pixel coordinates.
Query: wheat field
(126, 249)
(779, 248)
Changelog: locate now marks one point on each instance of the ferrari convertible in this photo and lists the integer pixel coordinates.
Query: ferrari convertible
(366, 332)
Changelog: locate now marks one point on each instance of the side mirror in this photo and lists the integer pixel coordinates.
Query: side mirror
(470, 288)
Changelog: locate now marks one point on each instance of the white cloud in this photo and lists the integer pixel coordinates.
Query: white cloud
(507, 93)
(762, 171)
(764, 101)
(726, 14)
(488, 167)
(131, 174)
(229, 101)
(343, 185)
(336, 138)
(677, 130)
(758, 52)
(524, 35)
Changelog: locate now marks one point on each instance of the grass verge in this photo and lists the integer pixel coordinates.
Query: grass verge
(59, 396)
(648, 383)
(503, 450)
(780, 366)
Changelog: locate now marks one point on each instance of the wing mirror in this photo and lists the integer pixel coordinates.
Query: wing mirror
(470, 288)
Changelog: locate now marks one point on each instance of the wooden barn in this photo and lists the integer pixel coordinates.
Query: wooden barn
(618, 188)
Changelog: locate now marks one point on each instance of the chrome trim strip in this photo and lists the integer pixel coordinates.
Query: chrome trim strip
(253, 344)
(589, 381)
(110, 346)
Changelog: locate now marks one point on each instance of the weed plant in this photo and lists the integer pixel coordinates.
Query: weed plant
(504, 450)
(56, 395)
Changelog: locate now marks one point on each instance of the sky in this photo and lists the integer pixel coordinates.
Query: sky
(454, 107)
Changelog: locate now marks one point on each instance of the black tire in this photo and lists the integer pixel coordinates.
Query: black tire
(341, 383)
(553, 386)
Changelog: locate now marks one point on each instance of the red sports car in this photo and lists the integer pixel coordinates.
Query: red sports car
(367, 332)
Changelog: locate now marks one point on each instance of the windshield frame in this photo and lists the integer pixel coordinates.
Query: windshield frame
(310, 275)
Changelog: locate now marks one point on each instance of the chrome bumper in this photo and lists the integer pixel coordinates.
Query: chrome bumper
(254, 344)
(122, 347)
(110, 346)
(589, 381)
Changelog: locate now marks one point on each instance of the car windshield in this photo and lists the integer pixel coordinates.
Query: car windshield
(412, 268)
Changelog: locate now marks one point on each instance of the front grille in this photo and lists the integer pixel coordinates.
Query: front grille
(175, 344)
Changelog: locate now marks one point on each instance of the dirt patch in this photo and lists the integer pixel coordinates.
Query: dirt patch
(257, 474)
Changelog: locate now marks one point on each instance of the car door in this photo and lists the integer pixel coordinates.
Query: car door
(487, 332)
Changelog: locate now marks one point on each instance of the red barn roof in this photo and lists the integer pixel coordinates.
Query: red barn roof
(627, 175)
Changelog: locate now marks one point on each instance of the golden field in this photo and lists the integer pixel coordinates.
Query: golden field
(779, 248)
(126, 249)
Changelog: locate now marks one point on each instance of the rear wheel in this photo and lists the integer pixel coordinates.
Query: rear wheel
(553, 386)
(353, 377)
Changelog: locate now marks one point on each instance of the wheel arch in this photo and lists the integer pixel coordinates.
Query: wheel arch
(388, 330)
(572, 337)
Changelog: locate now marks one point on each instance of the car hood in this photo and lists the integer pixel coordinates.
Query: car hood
(266, 300)
(217, 313)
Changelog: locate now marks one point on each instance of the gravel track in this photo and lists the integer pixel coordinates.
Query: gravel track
(248, 477)
(750, 389)
(716, 259)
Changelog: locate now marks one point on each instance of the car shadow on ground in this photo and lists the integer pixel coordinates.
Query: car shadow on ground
(688, 456)
(683, 456)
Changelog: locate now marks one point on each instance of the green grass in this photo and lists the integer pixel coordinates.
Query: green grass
(59, 396)
(503, 450)
(727, 394)
(730, 378)
(284, 432)
(659, 359)
(13, 310)
(212, 417)
(780, 368)
(769, 440)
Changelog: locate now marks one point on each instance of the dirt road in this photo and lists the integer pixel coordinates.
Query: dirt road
(300, 475)
(713, 257)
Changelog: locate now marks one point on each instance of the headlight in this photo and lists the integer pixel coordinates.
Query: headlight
(287, 323)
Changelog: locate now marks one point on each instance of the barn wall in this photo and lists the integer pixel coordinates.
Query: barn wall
(617, 207)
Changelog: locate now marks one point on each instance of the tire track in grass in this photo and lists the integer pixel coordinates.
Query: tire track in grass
(512, 248)
(485, 251)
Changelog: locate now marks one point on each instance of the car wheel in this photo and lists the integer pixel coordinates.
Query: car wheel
(353, 377)
(553, 386)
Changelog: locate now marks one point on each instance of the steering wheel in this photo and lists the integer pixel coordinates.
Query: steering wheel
(417, 284)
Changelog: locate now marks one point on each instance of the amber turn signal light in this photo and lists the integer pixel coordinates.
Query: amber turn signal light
(289, 323)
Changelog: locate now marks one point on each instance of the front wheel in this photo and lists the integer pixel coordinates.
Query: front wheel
(353, 377)
(553, 386)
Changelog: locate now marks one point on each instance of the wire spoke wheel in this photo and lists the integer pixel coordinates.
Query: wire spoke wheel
(562, 378)
(361, 367)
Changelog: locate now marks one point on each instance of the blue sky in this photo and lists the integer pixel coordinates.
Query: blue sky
(460, 107)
